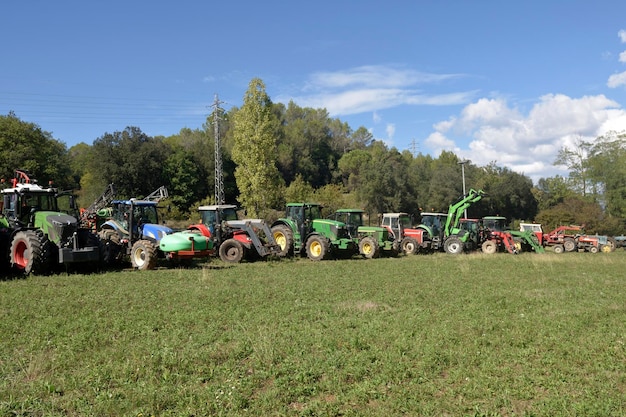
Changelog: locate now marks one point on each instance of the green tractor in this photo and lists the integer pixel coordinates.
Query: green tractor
(372, 241)
(445, 231)
(303, 230)
(39, 236)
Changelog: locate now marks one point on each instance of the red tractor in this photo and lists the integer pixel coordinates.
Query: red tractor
(573, 238)
(496, 237)
(221, 231)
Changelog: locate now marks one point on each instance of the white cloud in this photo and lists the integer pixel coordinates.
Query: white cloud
(526, 143)
(622, 35)
(391, 130)
(622, 56)
(375, 75)
(376, 117)
(373, 88)
(617, 80)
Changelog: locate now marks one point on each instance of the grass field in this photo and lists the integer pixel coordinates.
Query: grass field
(440, 335)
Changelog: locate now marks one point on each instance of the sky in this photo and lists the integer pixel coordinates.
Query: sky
(491, 81)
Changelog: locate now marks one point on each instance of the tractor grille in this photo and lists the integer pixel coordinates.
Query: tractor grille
(61, 227)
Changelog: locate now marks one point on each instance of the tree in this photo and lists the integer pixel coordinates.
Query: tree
(254, 151)
(131, 160)
(552, 191)
(576, 161)
(607, 168)
(26, 147)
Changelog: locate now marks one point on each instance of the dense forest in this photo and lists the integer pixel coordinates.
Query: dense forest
(273, 154)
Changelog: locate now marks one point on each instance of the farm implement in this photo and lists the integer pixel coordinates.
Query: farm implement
(221, 231)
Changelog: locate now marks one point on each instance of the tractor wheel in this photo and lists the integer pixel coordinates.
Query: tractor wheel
(316, 248)
(284, 239)
(558, 249)
(569, 244)
(143, 255)
(605, 248)
(368, 247)
(453, 245)
(27, 253)
(231, 251)
(110, 248)
(593, 249)
(409, 246)
(489, 247)
(611, 244)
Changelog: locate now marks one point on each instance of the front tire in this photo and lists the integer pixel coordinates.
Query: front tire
(489, 247)
(27, 253)
(368, 247)
(409, 246)
(284, 239)
(558, 249)
(231, 251)
(453, 245)
(316, 248)
(143, 255)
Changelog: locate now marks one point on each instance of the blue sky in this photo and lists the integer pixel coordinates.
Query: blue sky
(510, 82)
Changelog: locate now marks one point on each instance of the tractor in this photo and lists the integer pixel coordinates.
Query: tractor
(221, 230)
(303, 230)
(130, 228)
(442, 231)
(371, 240)
(400, 226)
(571, 239)
(37, 234)
(497, 237)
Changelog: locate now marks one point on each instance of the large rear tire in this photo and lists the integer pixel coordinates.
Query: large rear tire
(27, 253)
(316, 248)
(569, 244)
(231, 251)
(143, 255)
(368, 247)
(453, 245)
(283, 236)
(489, 247)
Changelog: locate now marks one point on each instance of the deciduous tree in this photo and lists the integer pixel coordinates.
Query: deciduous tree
(254, 151)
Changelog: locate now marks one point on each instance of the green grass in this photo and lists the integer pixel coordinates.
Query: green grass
(470, 335)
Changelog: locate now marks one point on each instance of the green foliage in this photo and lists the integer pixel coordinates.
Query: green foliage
(26, 147)
(299, 190)
(607, 167)
(131, 160)
(579, 211)
(254, 152)
(331, 197)
(184, 179)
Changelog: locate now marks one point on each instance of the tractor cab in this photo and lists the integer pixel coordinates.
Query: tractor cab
(304, 214)
(495, 223)
(214, 215)
(352, 218)
(434, 224)
(396, 223)
(131, 216)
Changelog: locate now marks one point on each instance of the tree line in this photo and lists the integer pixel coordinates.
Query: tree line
(274, 153)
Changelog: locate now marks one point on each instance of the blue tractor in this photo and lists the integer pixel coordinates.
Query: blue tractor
(131, 229)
